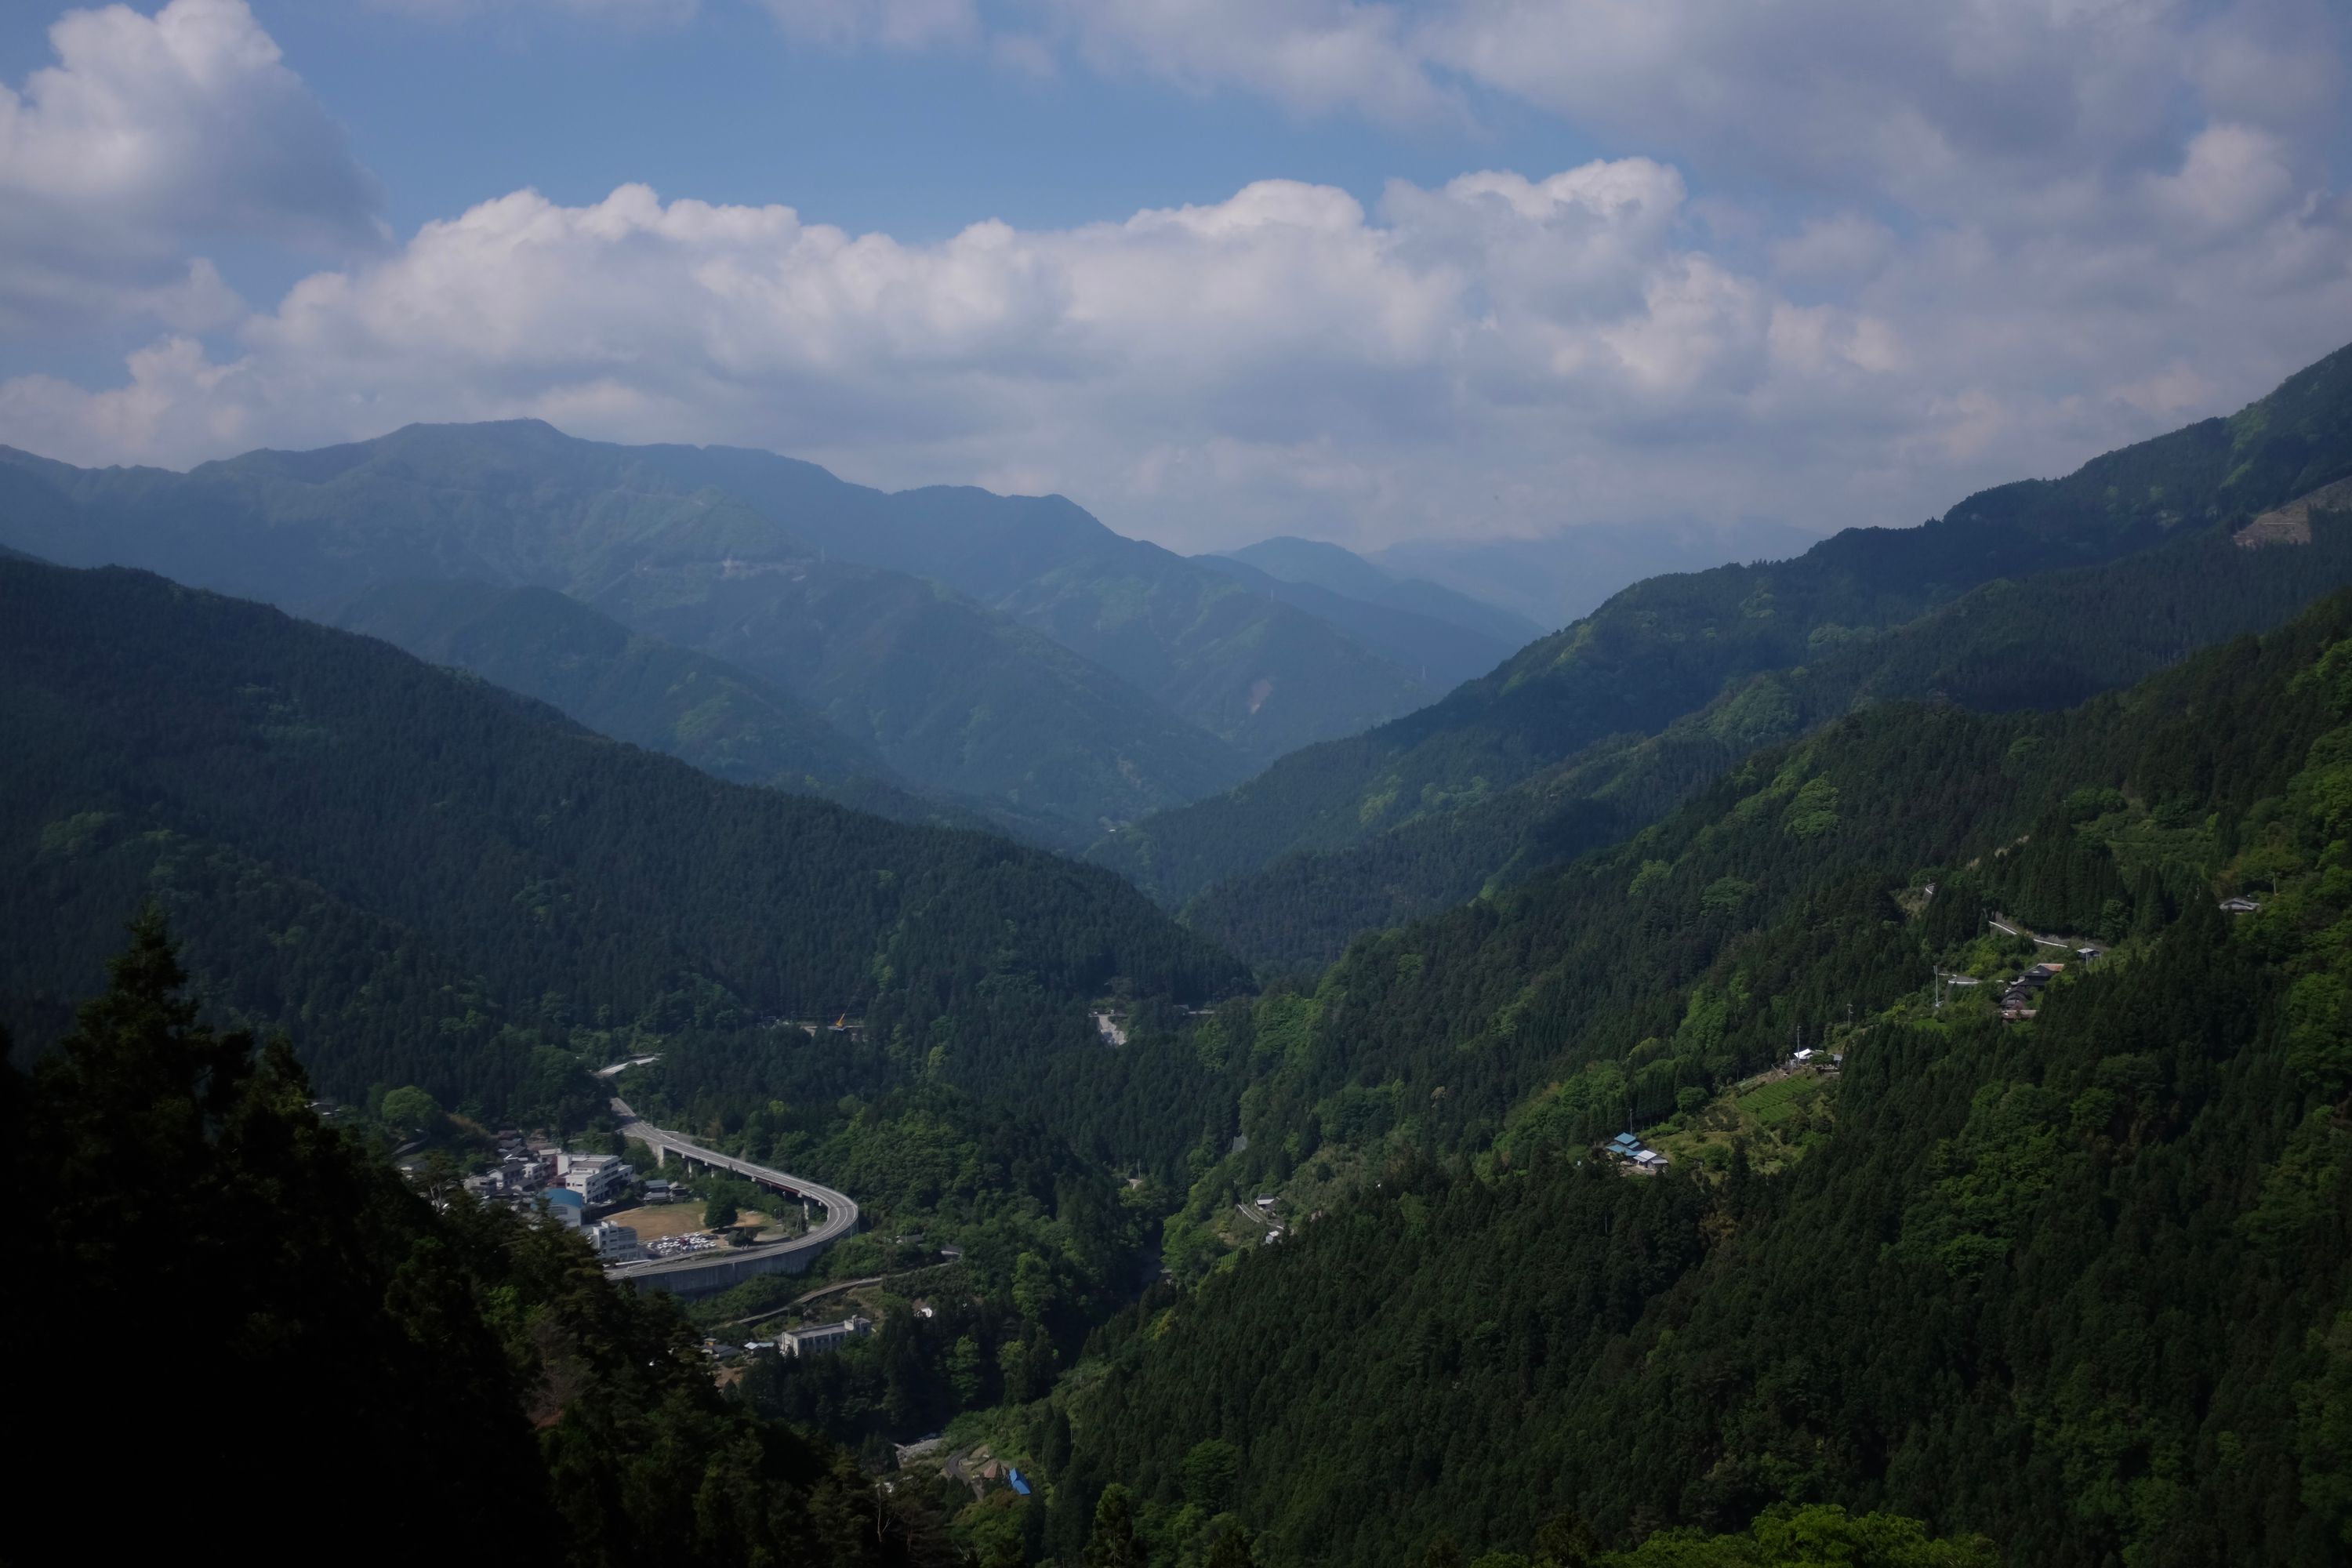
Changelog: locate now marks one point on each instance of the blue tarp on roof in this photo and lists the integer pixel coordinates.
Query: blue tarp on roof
(1020, 1483)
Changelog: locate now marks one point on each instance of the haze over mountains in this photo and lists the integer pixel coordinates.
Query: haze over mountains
(1575, 740)
(1609, 884)
(1165, 784)
(1011, 653)
(1538, 583)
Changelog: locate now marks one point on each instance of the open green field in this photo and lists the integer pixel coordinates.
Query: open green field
(1776, 1104)
(1777, 1121)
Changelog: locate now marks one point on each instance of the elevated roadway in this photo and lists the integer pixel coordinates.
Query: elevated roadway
(708, 1273)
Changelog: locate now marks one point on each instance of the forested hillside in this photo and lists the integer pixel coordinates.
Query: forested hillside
(463, 1365)
(1077, 676)
(1669, 646)
(722, 718)
(424, 879)
(726, 722)
(2043, 640)
(951, 694)
(1259, 673)
(2075, 1279)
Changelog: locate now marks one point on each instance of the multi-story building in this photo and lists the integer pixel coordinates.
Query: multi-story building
(613, 1243)
(823, 1339)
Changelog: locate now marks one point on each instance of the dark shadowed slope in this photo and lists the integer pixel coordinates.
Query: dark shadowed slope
(725, 721)
(426, 879)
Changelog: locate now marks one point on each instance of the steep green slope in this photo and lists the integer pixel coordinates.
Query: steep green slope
(635, 688)
(468, 1363)
(951, 695)
(724, 719)
(2040, 641)
(1669, 646)
(2078, 1282)
(1264, 676)
(998, 710)
(426, 879)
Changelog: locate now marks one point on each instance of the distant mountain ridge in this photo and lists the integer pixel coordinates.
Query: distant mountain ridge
(2041, 641)
(1670, 646)
(1561, 576)
(1441, 651)
(1259, 673)
(1074, 677)
(1337, 570)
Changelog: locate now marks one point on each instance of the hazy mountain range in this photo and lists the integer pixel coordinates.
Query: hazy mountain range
(1009, 653)
(1547, 756)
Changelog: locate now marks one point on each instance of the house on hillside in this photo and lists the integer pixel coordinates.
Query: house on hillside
(1643, 1159)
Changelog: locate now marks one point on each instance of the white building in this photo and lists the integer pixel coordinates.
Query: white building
(823, 1339)
(613, 1243)
(598, 1178)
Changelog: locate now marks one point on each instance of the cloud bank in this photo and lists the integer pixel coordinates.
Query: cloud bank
(151, 135)
(1997, 276)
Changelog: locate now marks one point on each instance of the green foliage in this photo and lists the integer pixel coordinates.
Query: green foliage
(1050, 1250)
(1815, 1537)
(2075, 1284)
(425, 882)
(474, 1364)
(724, 721)
(410, 1112)
(797, 580)
(1210, 1470)
(2030, 596)
(1112, 1543)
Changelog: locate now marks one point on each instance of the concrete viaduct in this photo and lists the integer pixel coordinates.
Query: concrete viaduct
(708, 1273)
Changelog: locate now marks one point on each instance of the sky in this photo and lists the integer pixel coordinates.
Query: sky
(1216, 269)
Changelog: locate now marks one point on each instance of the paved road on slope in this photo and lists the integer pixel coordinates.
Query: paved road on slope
(736, 1262)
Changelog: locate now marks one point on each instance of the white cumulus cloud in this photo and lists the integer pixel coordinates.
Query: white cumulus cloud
(1500, 352)
(151, 134)
(2007, 263)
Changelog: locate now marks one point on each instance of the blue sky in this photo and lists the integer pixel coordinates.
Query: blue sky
(1215, 267)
